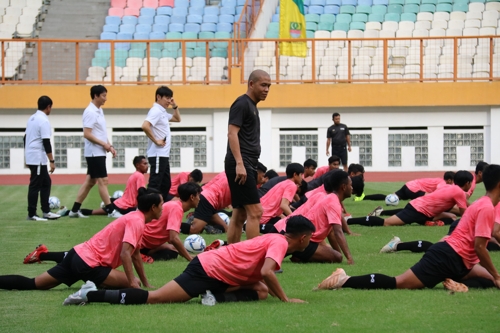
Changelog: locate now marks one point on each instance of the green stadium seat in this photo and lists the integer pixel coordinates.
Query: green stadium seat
(379, 9)
(102, 54)
(444, 7)
(311, 26)
(396, 2)
(357, 26)
(393, 17)
(343, 18)
(341, 26)
(217, 52)
(226, 35)
(427, 8)
(445, 1)
(360, 18)
(347, 9)
(376, 18)
(155, 53)
(327, 26)
(169, 53)
(273, 26)
(412, 2)
(460, 7)
(312, 18)
(201, 51)
(411, 9)
(481, 1)
(398, 9)
(430, 2)
(464, 2)
(412, 17)
(189, 53)
(138, 46)
(137, 53)
(363, 9)
(330, 18)
(272, 34)
(190, 35)
(100, 62)
(309, 34)
(173, 46)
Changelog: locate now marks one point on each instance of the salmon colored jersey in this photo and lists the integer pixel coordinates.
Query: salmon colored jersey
(427, 185)
(157, 232)
(240, 264)
(324, 214)
(441, 200)
(104, 248)
(129, 198)
(497, 213)
(321, 171)
(472, 185)
(320, 189)
(217, 192)
(180, 179)
(271, 201)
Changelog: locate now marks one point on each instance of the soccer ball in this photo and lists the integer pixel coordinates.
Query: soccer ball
(195, 244)
(224, 217)
(54, 203)
(391, 200)
(103, 205)
(117, 194)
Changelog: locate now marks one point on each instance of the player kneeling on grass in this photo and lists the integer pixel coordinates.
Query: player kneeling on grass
(455, 258)
(97, 259)
(242, 271)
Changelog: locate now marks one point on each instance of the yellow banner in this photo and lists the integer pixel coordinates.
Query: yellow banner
(292, 25)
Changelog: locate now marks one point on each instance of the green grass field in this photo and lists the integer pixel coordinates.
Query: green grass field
(343, 310)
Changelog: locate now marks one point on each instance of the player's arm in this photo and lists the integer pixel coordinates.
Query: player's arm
(346, 229)
(348, 139)
(485, 259)
(177, 243)
(267, 272)
(328, 141)
(146, 128)
(139, 267)
(339, 236)
(176, 117)
(234, 145)
(285, 206)
(48, 150)
(126, 257)
(496, 233)
(333, 241)
(87, 134)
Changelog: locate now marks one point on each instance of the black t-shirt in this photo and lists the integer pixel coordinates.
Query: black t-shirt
(315, 183)
(245, 115)
(338, 134)
(270, 184)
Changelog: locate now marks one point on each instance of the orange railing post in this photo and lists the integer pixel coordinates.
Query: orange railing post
(77, 61)
(455, 58)
(385, 60)
(148, 62)
(112, 63)
(40, 73)
(3, 62)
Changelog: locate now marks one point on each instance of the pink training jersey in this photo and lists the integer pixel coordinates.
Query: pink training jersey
(477, 221)
(129, 198)
(470, 192)
(497, 214)
(441, 200)
(320, 189)
(104, 248)
(321, 171)
(157, 232)
(271, 201)
(324, 214)
(217, 192)
(180, 179)
(240, 264)
(427, 185)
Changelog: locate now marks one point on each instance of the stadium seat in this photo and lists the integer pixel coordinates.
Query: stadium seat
(115, 12)
(164, 10)
(146, 20)
(131, 20)
(331, 10)
(412, 17)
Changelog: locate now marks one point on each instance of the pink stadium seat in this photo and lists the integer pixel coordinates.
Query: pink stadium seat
(137, 4)
(131, 11)
(118, 3)
(168, 3)
(151, 4)
(115, 12)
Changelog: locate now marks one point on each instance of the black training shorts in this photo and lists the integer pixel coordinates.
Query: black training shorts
(404, 193)
(410, 214)
(308, 252)
(204, 211)
(96, 167)
(245, 194)
(195, 281)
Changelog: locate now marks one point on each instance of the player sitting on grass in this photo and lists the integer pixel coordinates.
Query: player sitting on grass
(333, 164)
(242, 271)
(310, 166)
(454, 259)
(325, 212)
(97, 259)
(166, 229)
(426, 208)
(477, 177)
(195, 176)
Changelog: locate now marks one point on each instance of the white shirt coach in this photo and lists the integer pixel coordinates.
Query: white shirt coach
(37, 129)
(159, 119)
(93, 118)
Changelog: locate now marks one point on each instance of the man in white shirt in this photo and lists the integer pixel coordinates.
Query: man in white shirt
(37, 149)
(96, 146)
(157, 128)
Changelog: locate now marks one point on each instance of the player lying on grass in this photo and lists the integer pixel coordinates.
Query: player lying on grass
(97, 259)
(274, 179)
(426, 208)
(333, 164)
(324, 210)
(454, 259)
(242, 271)
(195, 176)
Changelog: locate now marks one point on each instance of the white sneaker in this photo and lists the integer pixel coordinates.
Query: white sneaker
(77, 214)
(63, 211)
(51, 216)
(391, 246)
(80, 297)
(35, 218)
(115, 214)
(377, 211)
(208, 299)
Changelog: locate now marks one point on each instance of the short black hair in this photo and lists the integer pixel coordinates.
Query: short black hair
(449, 175)
(355, 168)
(147, 198)
(271, 174)
(462, 177)
(197, 175)
(358, 185)
(480, 166)
(491, 176)
(335, 114)
(333, 158)
(97, 91)
(298, 225)
(294, 168)
(138, 159)
(44, 102)
(188, 189)
(303, 188)
(310, 163)
(163, 91)
(335, 180)
(261, 167)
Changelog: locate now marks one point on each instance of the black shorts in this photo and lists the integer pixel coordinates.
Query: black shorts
(453, 226)
(124, 211)
(96, 167)
(410, 214)
(269, 226)
(341, 152)
(195, 281)
(440, 262)
(246, 194)
(204, 211)
(308, 252)
(73, 269)
(405, 194)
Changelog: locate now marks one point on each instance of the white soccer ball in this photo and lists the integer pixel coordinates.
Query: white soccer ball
(117, 194)
(224, 217)
(195, 244)
(391, 200)
(54, 203)
(103, 205)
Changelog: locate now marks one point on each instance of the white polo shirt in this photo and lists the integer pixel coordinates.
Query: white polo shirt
(159, 118)
(37, 129)
(93, 118)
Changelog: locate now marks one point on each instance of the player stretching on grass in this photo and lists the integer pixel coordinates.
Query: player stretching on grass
(195, 176)
(97, 259)
(454, 259)
(238, 272)
(333, 164)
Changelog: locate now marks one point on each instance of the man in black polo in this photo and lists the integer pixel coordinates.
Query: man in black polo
(338, 135)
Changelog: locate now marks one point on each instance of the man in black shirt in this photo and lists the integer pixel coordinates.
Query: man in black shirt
(338, 135)
(243, 151)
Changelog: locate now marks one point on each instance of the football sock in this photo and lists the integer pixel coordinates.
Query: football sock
(164, 255)
(374, 197)
(128, 296)
(109, 208)
(86, 212)
(185, 227)
(391, 212)
(479, 283)
(414, 246)
(242, 295)
(493, 247)
(17, 282)
(53, 256)
(371, 281)
(76, 207)
(369, 221)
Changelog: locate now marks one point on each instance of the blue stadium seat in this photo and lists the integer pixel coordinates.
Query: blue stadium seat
(226, 18)
(276, 18)
(160, 28)
(330, 18)
(102, 54)
(157, 35)
(113, 20)
(178, 19)
(381, 2)
(196, 11)
(108, 36)
(127, 28)
(100, 62)
(180, 11)
(221, 35)
(331, 9)
(164, 11)
(138, 46)
(211, 10)
(176, 27)
(146, 28)
(141, 35)
(240, 2)
(316, 9)
(365, 3)
(192, 27)
(227, 10)
(197, 3)
(129, 20)
(349, 2)
(194, 19)
(181, 3)
(147, 12)
(146, 20)
(317, 3)
(162, 19)
(111, 28)
(124, 36)
(228, 3)
(379, 9)
(190, 35)
(212, 27)
(219, 52)
(208, 18)
(239, 9)
(224, 27)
